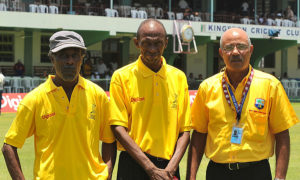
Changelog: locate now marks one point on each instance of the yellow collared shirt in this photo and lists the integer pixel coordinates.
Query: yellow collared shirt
(266, 111)
(66, 134)
(154, 107)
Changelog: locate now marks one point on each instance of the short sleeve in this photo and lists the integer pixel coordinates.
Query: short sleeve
(106, 134)
(184, 110)
(21, 128)
(282, 115)
(199, 111)
(118, 105)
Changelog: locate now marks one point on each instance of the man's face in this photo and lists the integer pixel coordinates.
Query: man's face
(67, 63)
(152, 42)
(236, 51)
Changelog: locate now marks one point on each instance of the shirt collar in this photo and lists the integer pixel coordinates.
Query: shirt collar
(245, 79)
(148, 72)
(52, 87)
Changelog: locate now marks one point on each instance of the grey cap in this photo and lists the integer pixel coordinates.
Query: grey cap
(65, 39)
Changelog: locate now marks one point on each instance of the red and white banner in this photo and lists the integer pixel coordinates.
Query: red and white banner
(11, 101)
(192, 96)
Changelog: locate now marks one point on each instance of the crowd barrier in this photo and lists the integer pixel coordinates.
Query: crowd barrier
(11, 101)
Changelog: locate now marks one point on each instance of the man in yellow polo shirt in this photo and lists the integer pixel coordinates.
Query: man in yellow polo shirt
(67, 115)
(150, 114)
(237, 116)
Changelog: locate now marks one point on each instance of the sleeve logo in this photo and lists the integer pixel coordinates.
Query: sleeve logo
(175, 101)
(93, 112)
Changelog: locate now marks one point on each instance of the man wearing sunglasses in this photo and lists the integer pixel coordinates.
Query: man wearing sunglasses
(237, 116)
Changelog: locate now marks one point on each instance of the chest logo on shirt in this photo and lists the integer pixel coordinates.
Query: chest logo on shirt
(175, 101)
(259, 103)
(93, 112)
(46, 116)
(137, 99)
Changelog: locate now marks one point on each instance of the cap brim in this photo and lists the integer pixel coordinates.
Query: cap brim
(67, 46)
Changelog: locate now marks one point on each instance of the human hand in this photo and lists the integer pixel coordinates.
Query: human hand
(171, 171)
(160, 174)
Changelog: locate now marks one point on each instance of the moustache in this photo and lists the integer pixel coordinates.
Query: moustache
(236, 58)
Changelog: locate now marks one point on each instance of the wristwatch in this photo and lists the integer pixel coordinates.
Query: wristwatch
(187, 33)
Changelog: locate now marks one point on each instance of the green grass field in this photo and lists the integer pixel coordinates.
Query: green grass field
(27, 153)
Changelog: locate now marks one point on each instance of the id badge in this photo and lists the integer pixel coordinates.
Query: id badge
(236, 135)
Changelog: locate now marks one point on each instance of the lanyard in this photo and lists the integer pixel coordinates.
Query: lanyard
(238, 108)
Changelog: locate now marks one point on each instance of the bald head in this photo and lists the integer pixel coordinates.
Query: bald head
(151, 26)
(232, 33)
(151, 40)
(236, 51)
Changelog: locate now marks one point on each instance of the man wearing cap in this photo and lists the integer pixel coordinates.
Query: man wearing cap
(150, 110)
(237, 116)
(68, 116)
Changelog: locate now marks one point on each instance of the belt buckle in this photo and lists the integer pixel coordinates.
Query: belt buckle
(232, 169)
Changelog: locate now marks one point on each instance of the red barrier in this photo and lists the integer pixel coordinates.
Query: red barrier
(10, 101)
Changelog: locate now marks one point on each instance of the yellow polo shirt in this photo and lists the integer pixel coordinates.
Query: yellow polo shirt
(66, 134)
(266, 111)
(154, 107)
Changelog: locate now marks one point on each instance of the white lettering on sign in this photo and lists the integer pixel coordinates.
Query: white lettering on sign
(254, 30)
(11, 102)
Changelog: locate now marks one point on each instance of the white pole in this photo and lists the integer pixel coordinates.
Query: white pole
(297, 10)
(211, 10)
(71, 6)
(255, 11)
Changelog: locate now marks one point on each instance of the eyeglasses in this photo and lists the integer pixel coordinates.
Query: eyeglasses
(240, 47)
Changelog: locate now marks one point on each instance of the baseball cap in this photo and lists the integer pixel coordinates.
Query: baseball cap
(65, 39)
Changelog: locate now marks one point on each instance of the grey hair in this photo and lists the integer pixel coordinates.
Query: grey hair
(221, 41)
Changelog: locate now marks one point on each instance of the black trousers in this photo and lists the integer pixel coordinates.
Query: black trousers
(129, 169)
(258, 171)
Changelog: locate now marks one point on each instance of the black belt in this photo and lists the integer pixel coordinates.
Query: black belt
(239, 165)
(155, 158)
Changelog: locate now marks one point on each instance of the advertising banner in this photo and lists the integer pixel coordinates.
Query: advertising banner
(11, 101)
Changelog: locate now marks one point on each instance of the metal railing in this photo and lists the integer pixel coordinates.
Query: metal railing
(292, 87)
(99, 9)
(17, 84)
(26, 84)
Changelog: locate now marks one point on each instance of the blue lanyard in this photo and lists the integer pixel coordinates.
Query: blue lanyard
(238, 108)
